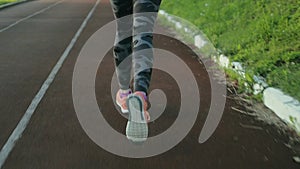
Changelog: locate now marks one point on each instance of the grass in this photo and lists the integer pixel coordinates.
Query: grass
(262, 34)
(2, 2)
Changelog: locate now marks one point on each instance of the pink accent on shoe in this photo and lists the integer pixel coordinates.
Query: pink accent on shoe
(121, 100)
(145, 103)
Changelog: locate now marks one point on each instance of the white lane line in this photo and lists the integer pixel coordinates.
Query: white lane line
(30, 16)
(17, 133)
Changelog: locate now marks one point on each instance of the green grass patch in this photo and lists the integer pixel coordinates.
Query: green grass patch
(262, 34)
(2, 2)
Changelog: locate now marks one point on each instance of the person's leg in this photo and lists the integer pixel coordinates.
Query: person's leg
(123, 41)
(123, 49)
(145, 13)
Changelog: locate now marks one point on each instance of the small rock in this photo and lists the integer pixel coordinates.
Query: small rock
(266, 158)
(257, 88)
(296, 159)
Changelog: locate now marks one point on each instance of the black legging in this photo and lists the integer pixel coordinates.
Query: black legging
(134, 36)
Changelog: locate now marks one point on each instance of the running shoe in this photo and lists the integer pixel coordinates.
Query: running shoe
(137, 127)
(121, 98)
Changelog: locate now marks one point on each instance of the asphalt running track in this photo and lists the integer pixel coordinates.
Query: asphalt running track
(36, 35)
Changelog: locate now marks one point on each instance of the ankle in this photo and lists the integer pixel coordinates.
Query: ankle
(125, 91)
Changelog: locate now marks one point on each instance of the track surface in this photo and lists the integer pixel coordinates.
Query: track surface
(54, 137)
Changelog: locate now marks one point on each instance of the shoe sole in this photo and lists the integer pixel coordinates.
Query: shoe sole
(137, 127)
(122, 110)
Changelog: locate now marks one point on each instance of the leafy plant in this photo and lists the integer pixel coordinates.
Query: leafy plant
(6, 1)
(263, 34)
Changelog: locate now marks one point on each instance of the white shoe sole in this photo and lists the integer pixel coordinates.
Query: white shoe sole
(137, 127)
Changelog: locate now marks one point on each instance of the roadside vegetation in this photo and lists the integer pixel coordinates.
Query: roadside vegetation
(262, 34)
(2, 2)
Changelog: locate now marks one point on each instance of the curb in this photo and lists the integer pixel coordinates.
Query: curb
(284, 106)
(12, 4)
